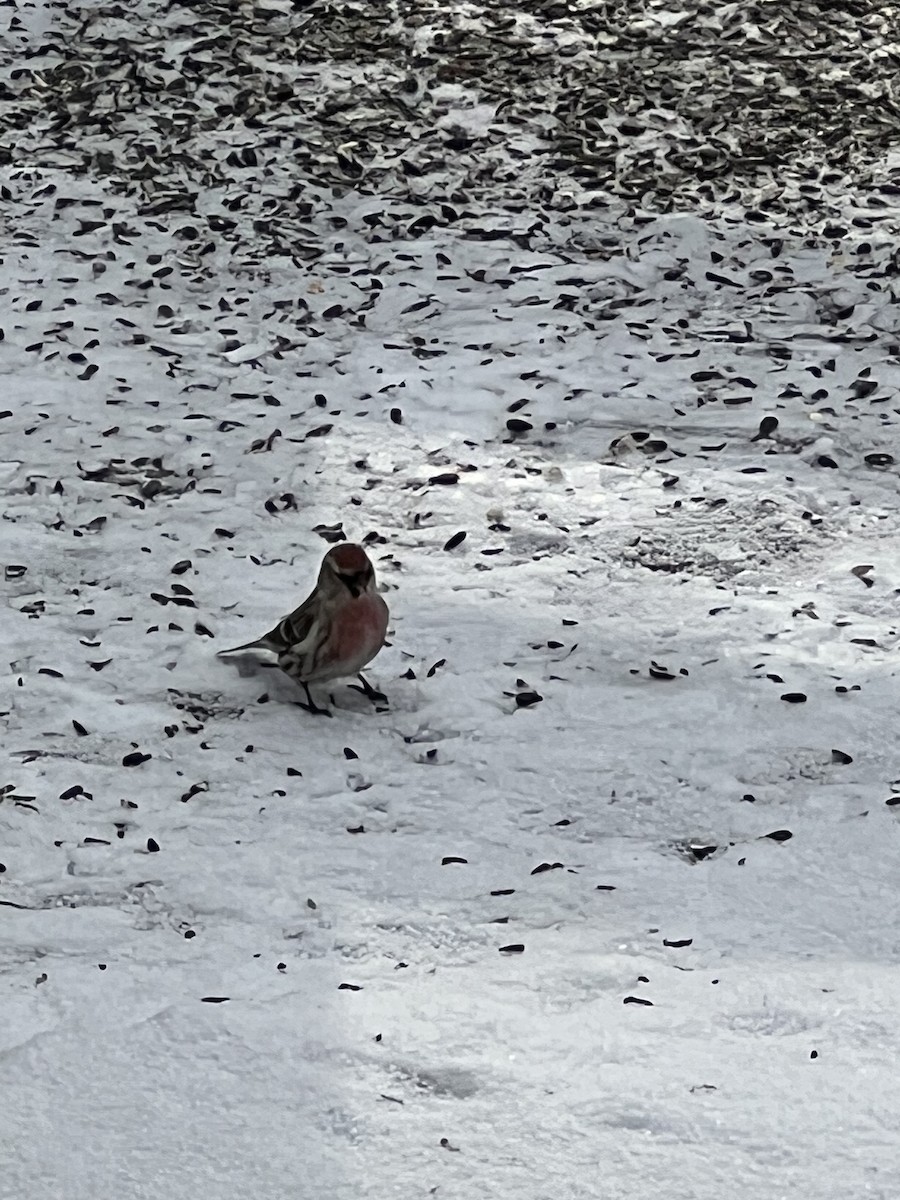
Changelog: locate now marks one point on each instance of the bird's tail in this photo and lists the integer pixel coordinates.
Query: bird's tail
(259, 644)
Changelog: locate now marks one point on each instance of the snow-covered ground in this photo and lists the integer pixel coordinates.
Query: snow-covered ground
(636, 937)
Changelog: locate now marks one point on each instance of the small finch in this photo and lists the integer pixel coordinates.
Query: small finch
(338, 628)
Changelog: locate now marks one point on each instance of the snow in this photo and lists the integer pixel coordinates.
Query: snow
(269, 959)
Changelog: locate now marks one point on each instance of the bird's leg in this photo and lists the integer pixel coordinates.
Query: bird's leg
(289, 663)
(311, 706)
(373, 694)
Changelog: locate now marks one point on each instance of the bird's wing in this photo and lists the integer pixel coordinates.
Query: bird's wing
(299, 658)
(290, 631)
(293, 630)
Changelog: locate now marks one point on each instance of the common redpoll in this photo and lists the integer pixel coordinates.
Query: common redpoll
(338, 628)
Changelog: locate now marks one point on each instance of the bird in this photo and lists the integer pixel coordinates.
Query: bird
(336, 631)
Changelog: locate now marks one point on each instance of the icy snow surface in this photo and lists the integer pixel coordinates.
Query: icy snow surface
(636, 938)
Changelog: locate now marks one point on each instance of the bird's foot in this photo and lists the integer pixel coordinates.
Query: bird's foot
(367, 690)
(311, 707)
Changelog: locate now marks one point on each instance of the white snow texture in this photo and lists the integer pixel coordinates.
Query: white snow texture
(601, 902)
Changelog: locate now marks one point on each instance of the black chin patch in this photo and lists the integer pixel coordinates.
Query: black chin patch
(352, 584)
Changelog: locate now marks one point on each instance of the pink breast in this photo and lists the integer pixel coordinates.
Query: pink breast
(358, 631)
